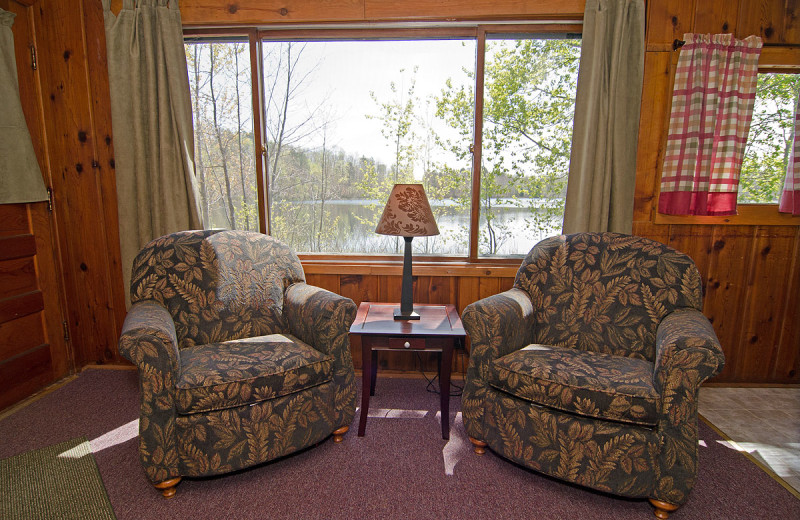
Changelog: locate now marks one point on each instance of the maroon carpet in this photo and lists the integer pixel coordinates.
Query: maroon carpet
(400, 469)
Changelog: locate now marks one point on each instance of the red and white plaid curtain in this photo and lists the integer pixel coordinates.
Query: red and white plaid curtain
(790, 198)
(712, 105)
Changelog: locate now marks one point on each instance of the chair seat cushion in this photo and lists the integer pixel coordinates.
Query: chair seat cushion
(592, 384)
(217, 376)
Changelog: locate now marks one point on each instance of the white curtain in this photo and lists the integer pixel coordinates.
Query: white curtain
(20, 177)
(152, 122)
(602, 170)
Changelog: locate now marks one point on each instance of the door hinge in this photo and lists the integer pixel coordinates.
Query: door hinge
(33, 57)
(50, 199)
(66, 330)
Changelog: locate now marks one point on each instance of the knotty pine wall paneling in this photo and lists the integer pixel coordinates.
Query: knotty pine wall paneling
(75, 102)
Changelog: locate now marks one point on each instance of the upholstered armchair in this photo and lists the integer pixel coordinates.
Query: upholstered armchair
(240, 361)
(588, 369)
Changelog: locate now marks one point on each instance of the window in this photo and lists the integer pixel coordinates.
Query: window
(220, 86)
(529, 104)
(346, 120)
(769, 140)
(348, 114)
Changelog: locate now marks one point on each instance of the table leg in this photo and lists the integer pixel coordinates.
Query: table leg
(366, 384)
(444, 386)
(374, 372)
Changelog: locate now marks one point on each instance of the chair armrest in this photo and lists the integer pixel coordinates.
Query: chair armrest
(687, 353)
(149, 338)
(322, 319)
(686, 343)
(319, 317)
(499, 324)
(149, 341)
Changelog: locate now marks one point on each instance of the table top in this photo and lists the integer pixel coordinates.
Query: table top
(435, 320)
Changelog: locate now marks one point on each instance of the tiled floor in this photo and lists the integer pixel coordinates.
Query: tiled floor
(765, 422)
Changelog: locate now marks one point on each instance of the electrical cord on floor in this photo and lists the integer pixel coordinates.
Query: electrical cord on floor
(455, 390)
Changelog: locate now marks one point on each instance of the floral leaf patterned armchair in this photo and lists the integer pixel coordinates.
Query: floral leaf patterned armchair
(588, 369)
(240, 361)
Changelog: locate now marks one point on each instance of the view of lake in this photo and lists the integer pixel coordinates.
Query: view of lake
(353, 228)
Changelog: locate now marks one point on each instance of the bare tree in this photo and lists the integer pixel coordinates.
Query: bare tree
(230, 210)
(200, 165)
(236, 51)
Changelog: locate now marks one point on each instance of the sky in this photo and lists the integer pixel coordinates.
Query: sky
(342, 75)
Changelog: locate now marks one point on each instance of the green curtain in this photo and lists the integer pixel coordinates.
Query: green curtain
(20, 177)
(602, 170)
(151, 114)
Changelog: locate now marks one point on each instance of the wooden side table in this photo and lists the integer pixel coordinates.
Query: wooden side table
(437, 330)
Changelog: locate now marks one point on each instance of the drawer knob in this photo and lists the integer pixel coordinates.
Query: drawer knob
(407, 344)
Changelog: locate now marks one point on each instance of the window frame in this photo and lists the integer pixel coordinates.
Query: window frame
(472, 264)
(775, 59)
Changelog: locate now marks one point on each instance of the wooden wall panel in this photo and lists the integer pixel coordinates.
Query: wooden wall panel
(14, 218)
(17, 276)
(92, 278)
(768, 272)
(23, 375)
(237, 12)
(668, 21)
(653, 124)
(715, 16)
(29, 357)
(472, 9)
(774, 20)
(787, 363)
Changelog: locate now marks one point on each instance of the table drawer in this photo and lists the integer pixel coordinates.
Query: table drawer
(407, 343)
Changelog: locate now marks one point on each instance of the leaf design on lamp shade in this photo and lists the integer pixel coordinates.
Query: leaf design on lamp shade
(413, 203)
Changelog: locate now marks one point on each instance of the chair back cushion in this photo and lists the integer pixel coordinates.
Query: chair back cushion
(217, 285)
(606, 292)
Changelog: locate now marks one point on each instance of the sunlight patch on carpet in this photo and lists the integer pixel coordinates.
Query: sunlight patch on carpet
(454, 450)
(395, 413)
(119, 435)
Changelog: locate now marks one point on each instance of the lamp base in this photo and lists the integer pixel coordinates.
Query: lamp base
(398, 315)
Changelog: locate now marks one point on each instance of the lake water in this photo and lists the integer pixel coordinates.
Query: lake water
(352, 230)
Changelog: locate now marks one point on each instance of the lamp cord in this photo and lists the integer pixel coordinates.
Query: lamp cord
(436, 388)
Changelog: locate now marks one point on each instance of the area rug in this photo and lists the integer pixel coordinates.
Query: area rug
(60, 481)
(401, 468)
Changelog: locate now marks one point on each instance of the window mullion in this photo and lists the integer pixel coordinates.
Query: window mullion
(259, 131)
(477, 144)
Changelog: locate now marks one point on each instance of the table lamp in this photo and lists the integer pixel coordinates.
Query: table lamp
(407, 214)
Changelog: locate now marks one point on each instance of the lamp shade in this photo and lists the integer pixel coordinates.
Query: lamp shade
(407, 213)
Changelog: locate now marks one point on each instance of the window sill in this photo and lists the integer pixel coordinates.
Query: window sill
(749, 215)
(393, 266)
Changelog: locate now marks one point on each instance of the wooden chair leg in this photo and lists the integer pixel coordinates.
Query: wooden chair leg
(480, 446)
(167, 487)
(338, 434)
(663, 509)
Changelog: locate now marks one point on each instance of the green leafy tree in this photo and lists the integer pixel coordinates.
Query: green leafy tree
(529, 100)
(770, 139)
